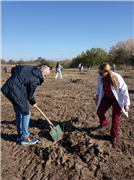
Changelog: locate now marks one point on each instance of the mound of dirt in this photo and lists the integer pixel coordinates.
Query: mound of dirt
(76, 156)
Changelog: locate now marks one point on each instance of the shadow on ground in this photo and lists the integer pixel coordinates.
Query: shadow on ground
(131, 91)
(67, 126)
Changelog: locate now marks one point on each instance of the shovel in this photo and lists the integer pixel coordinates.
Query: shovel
(56, 132)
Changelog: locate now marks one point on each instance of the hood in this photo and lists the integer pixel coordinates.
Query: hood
(36, 72)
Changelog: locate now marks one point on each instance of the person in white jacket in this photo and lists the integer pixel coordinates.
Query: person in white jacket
(58, 70)
(111, 90)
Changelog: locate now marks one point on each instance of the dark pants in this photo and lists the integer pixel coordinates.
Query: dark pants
(104, 106)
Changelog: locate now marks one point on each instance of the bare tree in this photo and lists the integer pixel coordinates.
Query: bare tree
(123, 51)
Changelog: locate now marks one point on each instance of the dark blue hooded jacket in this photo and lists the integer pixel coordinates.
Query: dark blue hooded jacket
(21, 86)
(17, 67)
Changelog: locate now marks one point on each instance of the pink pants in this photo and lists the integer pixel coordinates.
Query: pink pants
(104, 106)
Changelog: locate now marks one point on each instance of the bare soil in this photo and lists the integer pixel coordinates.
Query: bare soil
(85, 152)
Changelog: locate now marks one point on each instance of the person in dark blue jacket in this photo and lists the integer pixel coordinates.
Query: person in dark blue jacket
(5, 69)
(19, 89)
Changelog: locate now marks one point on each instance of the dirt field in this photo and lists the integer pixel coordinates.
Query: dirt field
(85, 153)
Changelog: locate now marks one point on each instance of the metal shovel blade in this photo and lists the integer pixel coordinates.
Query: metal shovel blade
(56, 133)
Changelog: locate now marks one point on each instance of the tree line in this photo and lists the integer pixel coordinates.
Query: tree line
(120, 53)
(39, 61)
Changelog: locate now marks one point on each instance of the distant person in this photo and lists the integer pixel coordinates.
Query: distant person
(50, 68)
(19, 89)
(111, 90)
(14, 69)
(5, 69)
(88, 67)
(58, 70)
(79, 66)
(113, 67)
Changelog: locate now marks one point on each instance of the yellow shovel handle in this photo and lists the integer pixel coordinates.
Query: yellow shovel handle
(44, 115)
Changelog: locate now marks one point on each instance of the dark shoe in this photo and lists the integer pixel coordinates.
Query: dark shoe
(29, 141)
(19, 138)
(99, 127)
(114, 140)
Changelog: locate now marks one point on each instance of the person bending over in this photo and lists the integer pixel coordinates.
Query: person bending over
(19, 89)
